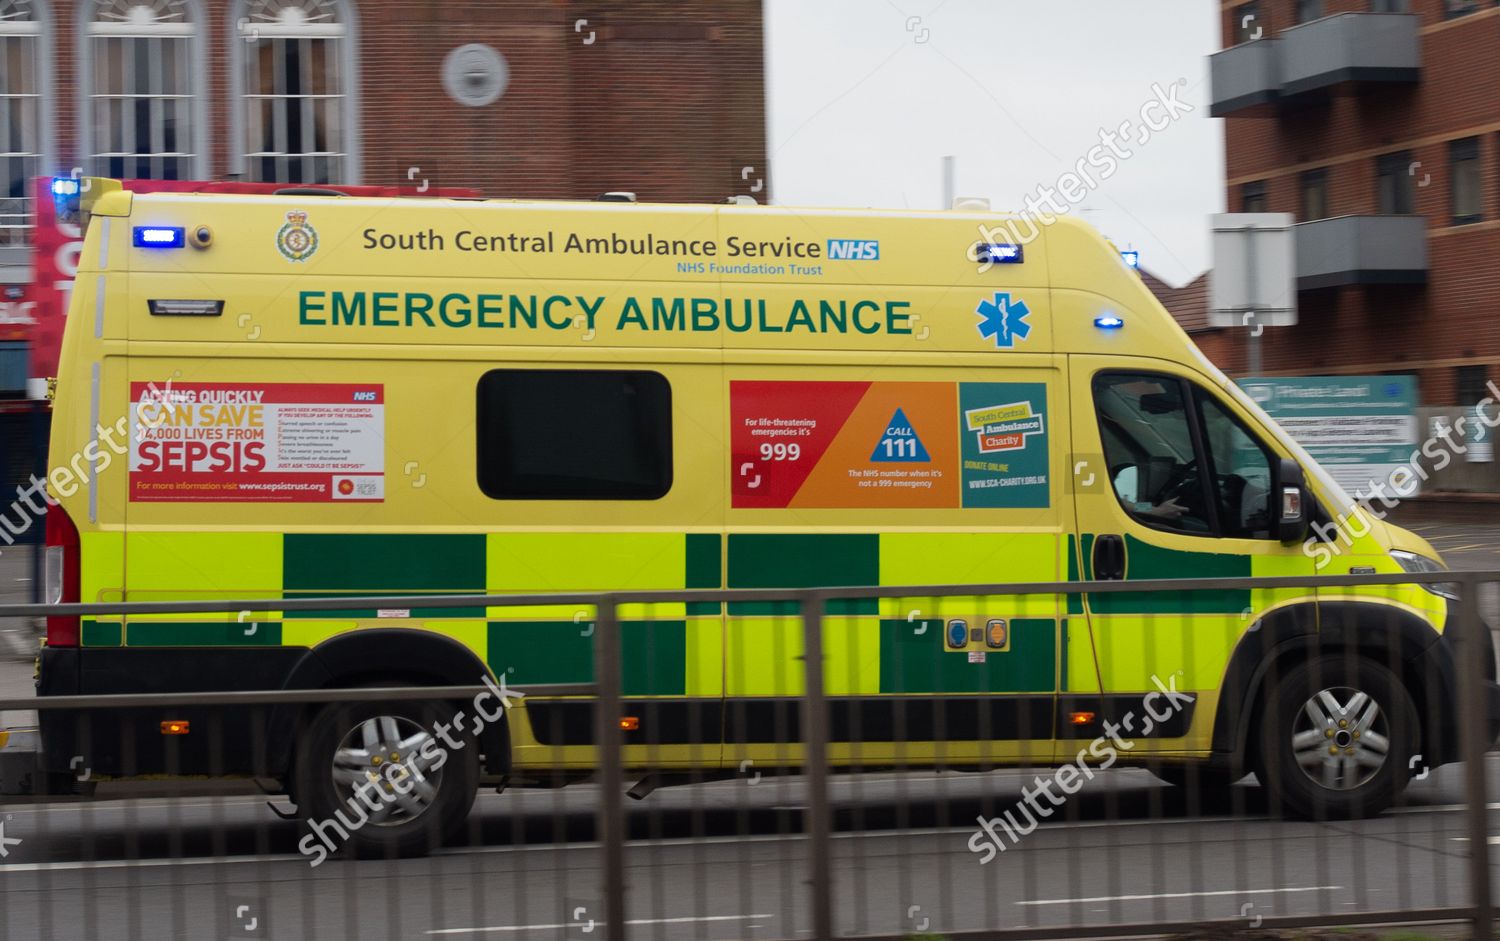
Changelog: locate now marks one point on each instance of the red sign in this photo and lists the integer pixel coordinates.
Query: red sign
(37, 314)
(257, 442)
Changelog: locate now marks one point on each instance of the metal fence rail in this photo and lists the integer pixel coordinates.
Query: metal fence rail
(841, 854)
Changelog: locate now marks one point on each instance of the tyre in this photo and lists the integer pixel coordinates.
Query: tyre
(375, 779)
(1337, 739)
(1205, 778)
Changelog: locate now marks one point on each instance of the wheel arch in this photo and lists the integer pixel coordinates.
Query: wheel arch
(1293, 633)
(403, 655)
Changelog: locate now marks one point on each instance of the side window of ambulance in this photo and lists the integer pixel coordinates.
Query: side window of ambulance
(574, 434)
(1241, 472)
(1149, 452)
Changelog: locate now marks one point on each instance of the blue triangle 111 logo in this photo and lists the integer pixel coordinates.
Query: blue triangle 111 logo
(900, 443)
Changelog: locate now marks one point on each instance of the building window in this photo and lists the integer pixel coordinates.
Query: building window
(1253, 196)
(1456, 8)
(1248, 25)
(528, 448)
(1470, 381)
(1315, 194)
(21, 49)
(1309, 10)
(296, 122)
(140, 61)
(1395, 193)
(1468, 194)
(1390, 6)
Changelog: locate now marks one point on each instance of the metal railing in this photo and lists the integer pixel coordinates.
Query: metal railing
(827, 879)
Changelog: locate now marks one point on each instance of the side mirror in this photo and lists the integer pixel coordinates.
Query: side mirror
(1291, 502)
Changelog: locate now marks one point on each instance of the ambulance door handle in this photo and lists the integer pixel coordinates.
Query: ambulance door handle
(1109, 558)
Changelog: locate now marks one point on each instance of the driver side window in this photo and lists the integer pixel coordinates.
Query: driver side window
(1195, 470)
(1149, 451)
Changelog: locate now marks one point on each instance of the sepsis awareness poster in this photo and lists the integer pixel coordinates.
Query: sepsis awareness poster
(834, 445)
(257, 442)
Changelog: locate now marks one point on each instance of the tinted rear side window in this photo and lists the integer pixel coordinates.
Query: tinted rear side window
(563, 434)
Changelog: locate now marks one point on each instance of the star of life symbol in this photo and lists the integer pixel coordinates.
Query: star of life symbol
(296, 240)
(1003, 320)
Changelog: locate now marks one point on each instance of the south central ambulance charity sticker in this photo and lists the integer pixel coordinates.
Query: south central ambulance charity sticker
(1003, 427)
(297, 239)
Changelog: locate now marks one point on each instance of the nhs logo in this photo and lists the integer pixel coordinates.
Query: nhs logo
(853, 250)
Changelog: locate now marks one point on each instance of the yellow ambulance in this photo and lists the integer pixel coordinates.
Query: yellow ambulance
(311, 395)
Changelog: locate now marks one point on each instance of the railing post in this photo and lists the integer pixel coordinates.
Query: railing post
(611, 823)
(815, 768)
(1474, 738)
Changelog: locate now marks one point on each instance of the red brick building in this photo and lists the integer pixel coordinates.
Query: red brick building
(1377, 123)
(507, 97)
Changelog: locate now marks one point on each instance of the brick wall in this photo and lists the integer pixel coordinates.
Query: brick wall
(667, 100)
(1430, 331)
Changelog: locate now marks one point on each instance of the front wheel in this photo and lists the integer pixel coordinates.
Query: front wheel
(1338, 736)
(378, 779)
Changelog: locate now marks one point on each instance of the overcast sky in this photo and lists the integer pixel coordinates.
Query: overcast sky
(865, 97)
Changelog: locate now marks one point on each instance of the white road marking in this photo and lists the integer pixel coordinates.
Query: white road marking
(1180, 895)
(688, 920)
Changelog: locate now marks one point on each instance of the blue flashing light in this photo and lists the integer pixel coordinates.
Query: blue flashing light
(1132, 258)
(64, 186)
(159, 236)
(997, 253)
(1108, 322)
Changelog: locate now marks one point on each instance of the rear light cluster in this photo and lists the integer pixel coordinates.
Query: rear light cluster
(62, 584)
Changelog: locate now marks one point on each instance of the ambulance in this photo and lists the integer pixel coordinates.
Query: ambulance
(309, 395)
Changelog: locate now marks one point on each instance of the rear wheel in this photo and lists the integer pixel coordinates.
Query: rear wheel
(1338, 737)
(377, 779)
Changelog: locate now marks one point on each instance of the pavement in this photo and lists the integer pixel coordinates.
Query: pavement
(727, 860)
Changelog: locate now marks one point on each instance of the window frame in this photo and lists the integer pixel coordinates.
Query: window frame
(38, 28)
(197, 163)
(1192, 395)
(1201, 396)
(1466, 149)
(1399, 6)
(1318, 178)
(1301, 15)
(349, 125)
(1463, 373)
(1238, 12)
(481, 424)
(1397, 166)
(1255, 189)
